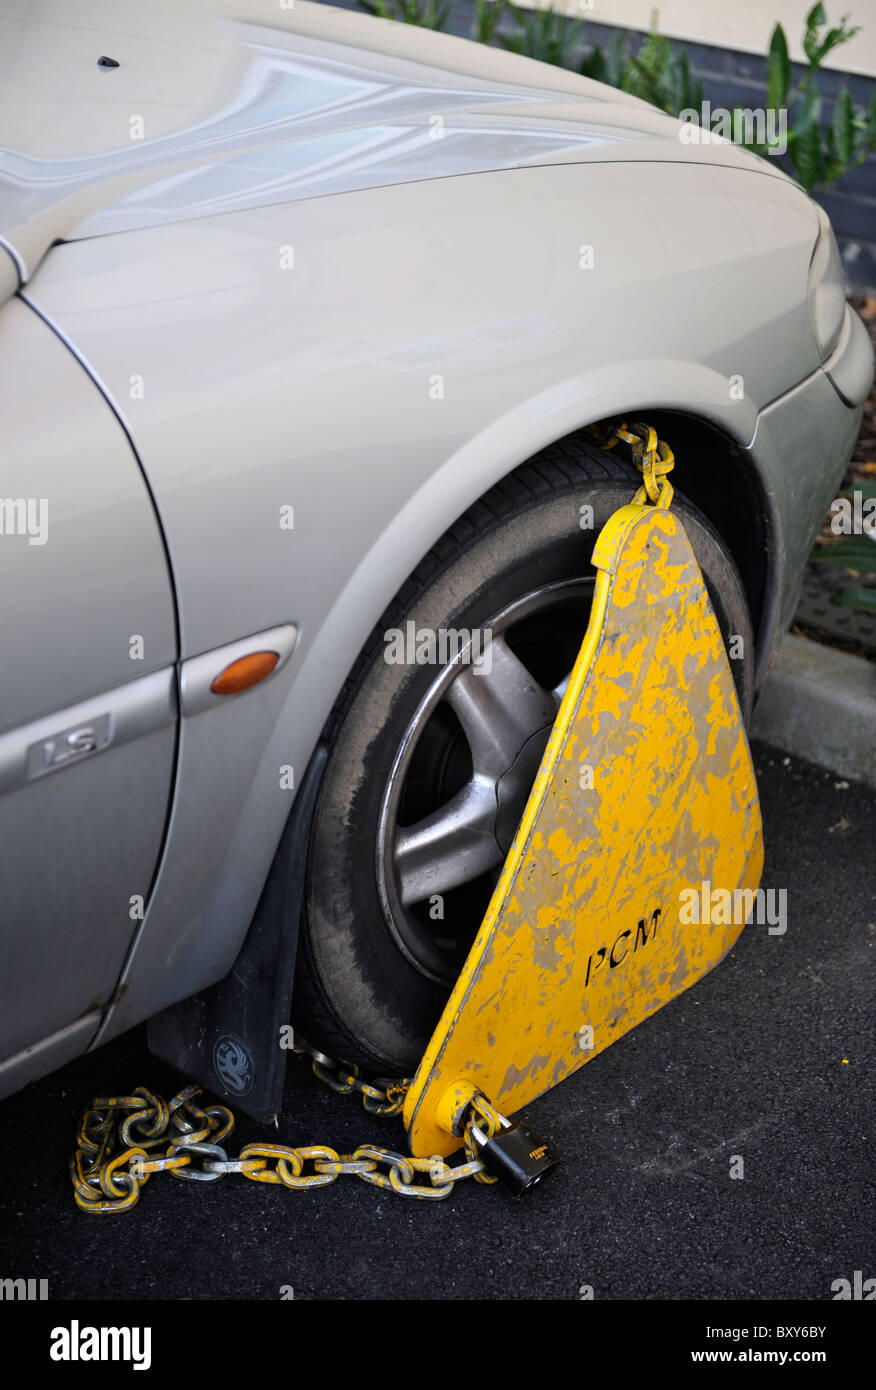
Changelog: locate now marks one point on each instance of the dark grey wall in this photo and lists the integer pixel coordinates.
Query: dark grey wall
(733, 78)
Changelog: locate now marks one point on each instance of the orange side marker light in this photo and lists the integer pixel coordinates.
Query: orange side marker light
(246, 672)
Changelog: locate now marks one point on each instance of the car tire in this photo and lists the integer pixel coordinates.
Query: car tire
(375, 966)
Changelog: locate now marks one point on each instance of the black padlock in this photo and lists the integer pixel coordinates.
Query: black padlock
(516, 1156)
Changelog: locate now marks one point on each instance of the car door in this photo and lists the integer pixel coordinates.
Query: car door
(87, 697)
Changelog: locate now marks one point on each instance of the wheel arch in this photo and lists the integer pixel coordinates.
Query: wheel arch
(691, 407)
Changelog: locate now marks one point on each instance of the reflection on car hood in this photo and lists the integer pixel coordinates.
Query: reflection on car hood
(217, 106)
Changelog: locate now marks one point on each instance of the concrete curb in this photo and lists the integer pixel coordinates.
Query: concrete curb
(820, 704)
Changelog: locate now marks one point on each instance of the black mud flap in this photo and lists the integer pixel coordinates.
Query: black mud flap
(230, 1037)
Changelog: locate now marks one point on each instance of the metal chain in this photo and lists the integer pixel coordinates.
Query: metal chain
(118, 1135)
(652, 456)
(383, 1096)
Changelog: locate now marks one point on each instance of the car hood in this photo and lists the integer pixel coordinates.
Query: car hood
(221, 105)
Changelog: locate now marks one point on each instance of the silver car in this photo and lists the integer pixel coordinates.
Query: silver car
(304, 318)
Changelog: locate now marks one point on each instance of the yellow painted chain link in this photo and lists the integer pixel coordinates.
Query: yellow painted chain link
(652, 456)
(117, 1137)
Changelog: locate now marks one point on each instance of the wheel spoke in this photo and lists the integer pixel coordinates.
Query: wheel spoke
(499, 709)
(451, 846)
(559, 690)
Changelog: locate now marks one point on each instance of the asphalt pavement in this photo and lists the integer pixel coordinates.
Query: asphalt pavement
(769, 1059)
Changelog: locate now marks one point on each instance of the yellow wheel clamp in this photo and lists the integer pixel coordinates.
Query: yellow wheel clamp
(646, 789)
(644, 801)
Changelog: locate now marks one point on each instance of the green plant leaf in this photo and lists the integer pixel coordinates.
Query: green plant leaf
(817, 48)
(616, 61)
(843, 126)
(857, 553)
(652, 73)
(487, 17)
(832, 39)
(867, 489)
(864, 600)
(593, 65)
(433, 14)
(810, 109)
(645, 83)
(805, 152)
(686, 90)
(546, 35)
(778, 70)
(815, 19)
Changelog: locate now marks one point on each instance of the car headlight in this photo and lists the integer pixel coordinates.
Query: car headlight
(827, 291)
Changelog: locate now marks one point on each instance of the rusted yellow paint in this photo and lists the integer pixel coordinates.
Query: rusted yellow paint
(583, 930)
